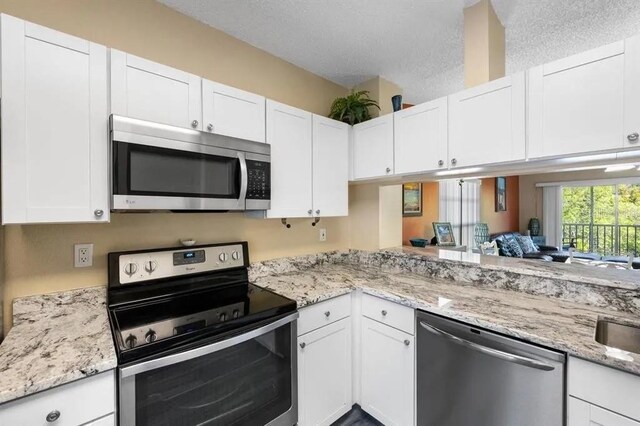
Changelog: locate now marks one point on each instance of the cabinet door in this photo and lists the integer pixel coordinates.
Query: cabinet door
(582, 413)
(324, 373)
(420, 137)
(232, 112)
(54, 126)
(289, 134)
(330, 167)
(576, 103)
(487, 123)
(387, 373)
(373, 148)
(150, 91)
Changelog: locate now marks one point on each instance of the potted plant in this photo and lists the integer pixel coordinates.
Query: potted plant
(353, 108)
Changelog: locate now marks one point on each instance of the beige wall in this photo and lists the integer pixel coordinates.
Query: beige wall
(421, 226)
(500, 221)
(39, 258)
(531, 197)
(380, 90)
(484, 45)
(390, 210)
(375, 216)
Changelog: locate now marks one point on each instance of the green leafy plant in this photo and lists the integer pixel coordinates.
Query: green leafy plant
(353, 108)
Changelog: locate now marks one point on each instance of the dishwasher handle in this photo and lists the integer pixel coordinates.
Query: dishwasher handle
(527, 362)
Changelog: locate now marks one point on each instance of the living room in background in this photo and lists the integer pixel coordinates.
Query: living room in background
(602, 218)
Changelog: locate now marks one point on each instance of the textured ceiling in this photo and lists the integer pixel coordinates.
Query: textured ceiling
(417, 44)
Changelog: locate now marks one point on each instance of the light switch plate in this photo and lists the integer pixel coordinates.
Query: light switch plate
(323, 234)
(82, 255)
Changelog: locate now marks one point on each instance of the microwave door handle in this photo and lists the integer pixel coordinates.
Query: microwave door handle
(517, 359)
(244, 180)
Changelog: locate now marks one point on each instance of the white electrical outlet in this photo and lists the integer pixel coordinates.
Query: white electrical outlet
(323, 234)
(82, 255)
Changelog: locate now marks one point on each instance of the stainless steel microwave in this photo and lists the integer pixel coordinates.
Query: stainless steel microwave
(160, 167)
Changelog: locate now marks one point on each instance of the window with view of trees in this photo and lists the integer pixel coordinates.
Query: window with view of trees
(602, 219)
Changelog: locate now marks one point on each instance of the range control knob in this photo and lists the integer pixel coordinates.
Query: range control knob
(222, 317)
(151, 336)
(235, 255)
(236, 313)
(150, 266)
(223, 257)
(130, 341)
(130, 268)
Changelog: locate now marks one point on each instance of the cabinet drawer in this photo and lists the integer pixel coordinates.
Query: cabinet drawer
(78, 402)
(323, 313)
(606, 387)
(390, 313)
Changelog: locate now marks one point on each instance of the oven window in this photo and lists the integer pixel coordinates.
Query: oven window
(146, 170)
(246, 384)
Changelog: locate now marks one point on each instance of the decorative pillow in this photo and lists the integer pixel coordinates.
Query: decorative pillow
(526, 244)
(503, 248)
(514, 248)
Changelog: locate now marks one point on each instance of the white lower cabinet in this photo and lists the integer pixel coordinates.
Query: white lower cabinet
(601, 396)
(324, 373)
(387, 367)
(582, 413)
(85, 401)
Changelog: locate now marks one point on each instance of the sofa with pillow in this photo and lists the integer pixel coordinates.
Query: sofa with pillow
(508, 242)
(513, 244)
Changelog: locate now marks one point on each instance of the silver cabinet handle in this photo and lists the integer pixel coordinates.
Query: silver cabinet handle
(454, 161)
(388, 170)
(302, 345)
(210, 127)
(98, 213)
(53, 416)
(195, 123)
(326, 314)
(407, 342)
(318, 211)
(384, 313)
(310, 211)
(517, 359)
(633, 137)
(440, 163)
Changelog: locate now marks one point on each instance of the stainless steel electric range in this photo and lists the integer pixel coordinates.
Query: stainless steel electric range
(197, 344)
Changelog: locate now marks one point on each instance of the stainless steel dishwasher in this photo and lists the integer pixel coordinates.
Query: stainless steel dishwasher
(470, 376)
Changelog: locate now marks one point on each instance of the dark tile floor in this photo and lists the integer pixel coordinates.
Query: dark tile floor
(356, 417)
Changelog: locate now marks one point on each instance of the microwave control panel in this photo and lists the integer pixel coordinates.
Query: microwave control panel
(259, 185)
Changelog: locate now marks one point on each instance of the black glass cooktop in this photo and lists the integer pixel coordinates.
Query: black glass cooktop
(163, 323)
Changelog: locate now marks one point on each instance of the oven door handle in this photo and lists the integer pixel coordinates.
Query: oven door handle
(244, 180)
(205, 350)
(517, 359)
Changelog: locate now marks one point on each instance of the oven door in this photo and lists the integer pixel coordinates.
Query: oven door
(160, 174)
(249, 379)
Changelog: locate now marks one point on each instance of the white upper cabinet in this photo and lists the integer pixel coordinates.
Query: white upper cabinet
(54, 126)
(150, 91)
(420, 137)
(232, 112)
(373, 148)
(487, 123)
(330, 167)
(586, 102)
(289, 132)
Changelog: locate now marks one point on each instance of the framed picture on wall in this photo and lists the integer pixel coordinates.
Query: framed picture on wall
(412, 199)
(501, 194)
(444, 233)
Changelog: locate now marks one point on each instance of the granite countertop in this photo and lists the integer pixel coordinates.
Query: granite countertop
(55, 339)
(588, 274)
(548, 320)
